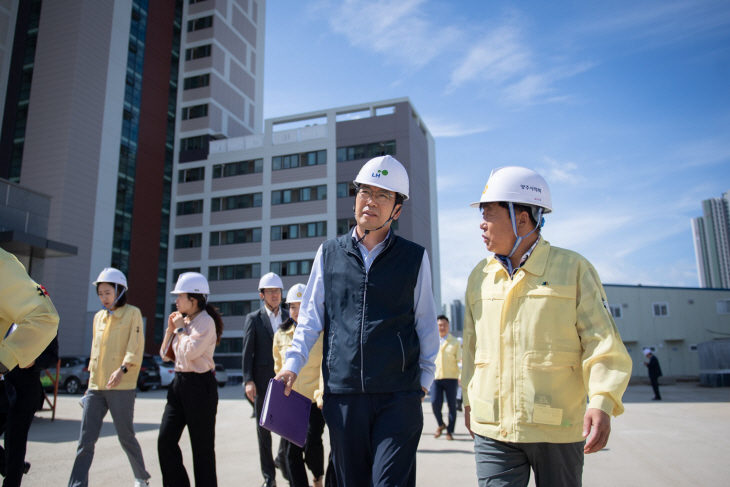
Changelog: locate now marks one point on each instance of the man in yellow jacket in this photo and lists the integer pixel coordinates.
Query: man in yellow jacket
(446, 380)
(538, 339)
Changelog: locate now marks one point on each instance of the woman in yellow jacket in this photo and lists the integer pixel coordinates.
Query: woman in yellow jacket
(307, 384)
(116, 355)
(192, 333)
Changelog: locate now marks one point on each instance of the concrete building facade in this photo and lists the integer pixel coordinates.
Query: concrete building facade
(266, 202)
(711, 234)
(671, 321)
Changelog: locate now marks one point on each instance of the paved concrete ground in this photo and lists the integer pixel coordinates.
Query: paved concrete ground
(681, 441)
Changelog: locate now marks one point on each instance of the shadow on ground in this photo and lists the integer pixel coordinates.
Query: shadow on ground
(43, 430)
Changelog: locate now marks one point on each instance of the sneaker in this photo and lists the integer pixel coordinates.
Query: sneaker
(141, 483)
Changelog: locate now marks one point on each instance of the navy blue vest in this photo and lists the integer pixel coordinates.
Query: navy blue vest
(371, 345)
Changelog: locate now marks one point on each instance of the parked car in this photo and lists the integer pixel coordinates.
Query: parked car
(73, 376)
(221, 376)
(167, 371)
(149, 374)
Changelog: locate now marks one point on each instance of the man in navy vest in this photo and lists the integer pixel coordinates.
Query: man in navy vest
(370, 294)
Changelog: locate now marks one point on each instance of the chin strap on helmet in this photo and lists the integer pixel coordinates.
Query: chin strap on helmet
(392, 212)
(518, 239)
(108, 310)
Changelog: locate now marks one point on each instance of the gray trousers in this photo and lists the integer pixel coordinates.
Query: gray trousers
(121, 405)
(501, 464)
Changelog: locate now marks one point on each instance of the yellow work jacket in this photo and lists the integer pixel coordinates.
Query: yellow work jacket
(537, 345)
(447, 361)
(118, 339)
(26, 304)
(307, 382)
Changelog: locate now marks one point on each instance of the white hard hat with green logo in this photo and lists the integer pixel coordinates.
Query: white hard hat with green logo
(384, 172)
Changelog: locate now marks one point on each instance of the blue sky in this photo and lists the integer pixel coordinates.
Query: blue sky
(623, 106)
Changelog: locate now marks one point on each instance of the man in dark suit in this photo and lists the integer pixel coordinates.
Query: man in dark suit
(258, 361)
(655, 371)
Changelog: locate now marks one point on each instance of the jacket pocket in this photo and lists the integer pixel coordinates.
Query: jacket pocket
(484, 389)
(551, 389)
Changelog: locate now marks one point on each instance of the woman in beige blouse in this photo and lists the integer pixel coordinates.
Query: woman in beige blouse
(193, 331)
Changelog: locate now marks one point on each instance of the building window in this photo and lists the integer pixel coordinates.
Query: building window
(196, 111)
(300, 230)
(191, 240)
(196, 81)
(616, 312)
(346, 190)
(230, 237)
(229, 345)
(192, 143)
(365, 151)
(660, 309)
(197, 52)
(723, 306)
(190, 175)
(190, 207)
(176, 272)
(344, 225)
(236, 308)
(297, 195)
(196, 1)
(292, 268)
(200, 24)
(230, 272)
(299, 160)
(238, 168)
(253, 200)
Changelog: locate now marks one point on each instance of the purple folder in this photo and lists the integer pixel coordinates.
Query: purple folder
(287, 416)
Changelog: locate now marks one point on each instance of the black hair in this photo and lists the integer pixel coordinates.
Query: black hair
(518, 208)
(118, 288)
(212, 311)
(288, 323)
(442, 317)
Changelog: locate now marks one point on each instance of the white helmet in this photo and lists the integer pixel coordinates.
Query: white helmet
(270, 280)
(384, 172)
(191, 282)
(295, 293)
(112, 276)
(514, 184)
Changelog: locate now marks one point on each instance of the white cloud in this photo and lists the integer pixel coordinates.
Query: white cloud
(397, 29)
(440, 128)
(563, 172)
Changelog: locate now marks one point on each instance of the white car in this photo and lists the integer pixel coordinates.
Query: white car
(167, 371)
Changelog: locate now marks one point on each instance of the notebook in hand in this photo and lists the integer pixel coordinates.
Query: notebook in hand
(287, 416)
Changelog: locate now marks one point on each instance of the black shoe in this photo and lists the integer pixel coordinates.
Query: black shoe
(282, 466)
(269, 484)
(656, 398)
(26, 467)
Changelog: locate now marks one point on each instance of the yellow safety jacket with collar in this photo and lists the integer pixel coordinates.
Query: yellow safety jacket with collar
(448, 358)
(27, 304)
(118, 339)
(307, 382)
(537, 345)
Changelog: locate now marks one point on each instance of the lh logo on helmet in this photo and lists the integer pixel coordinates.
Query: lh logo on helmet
(384, 172)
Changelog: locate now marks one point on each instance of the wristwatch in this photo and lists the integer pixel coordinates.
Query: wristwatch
(124, 369)
(180, 330)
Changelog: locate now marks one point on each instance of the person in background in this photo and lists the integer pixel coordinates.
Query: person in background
(313, 452)
(193, 331)
(655, 371)
(258, 366)
(446, 380)
(369, 293)
(28, 326)
(538, 338)
(116, 355)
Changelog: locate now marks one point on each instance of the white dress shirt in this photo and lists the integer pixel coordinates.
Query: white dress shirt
(274, 319)
(311, 315)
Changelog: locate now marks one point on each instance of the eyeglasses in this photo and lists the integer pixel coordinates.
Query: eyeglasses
(381, 197)
(272, 291)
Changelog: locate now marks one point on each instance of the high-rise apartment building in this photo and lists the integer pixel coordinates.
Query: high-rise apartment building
(711, 234)
(265, 202)
(95, 97)
(457, 317)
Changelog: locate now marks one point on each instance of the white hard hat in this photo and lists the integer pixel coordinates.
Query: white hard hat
(112, 276)
(295, 293)
(515, 184)
(270, 280)
(647, 351)
(384, 172)
(191, 282)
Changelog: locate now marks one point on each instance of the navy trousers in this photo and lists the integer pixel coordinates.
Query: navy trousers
(374, 437)
(21, 391)
(438, 389)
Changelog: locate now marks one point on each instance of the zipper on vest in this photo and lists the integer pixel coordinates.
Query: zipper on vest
(362, 332)
(403, 353)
